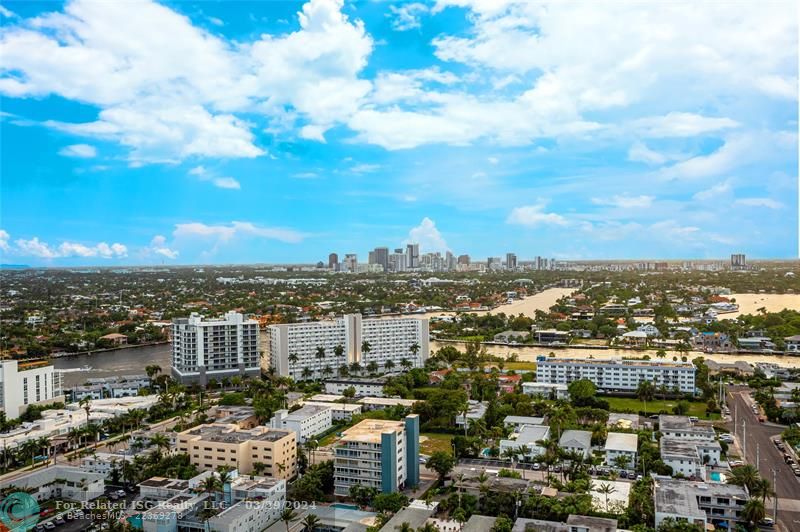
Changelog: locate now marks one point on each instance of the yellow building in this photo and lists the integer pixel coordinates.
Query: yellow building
(226, 445)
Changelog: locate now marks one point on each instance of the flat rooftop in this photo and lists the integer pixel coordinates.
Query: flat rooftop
(231, 434)
(621, 441)
(306, 411)
(370, 430)
(655, 364)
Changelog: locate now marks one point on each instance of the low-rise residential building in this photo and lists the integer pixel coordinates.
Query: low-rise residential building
(621, 444)
(681, 427)
(618, 420)
(689, 457)
(617, 374)
(712, 342)
(475, 411)
(382, 403)
(248, 504)
(339, 411)
(545, 390)
(792, 343)
(507, 337)
(756, 343)
(363, 386)
(215, 445)
(635, 338)
(529, 439)
(59, 482)
(516, 423)
(307, 422)
(576, 441)
(699, 503)
(382, 454)
(551, 336)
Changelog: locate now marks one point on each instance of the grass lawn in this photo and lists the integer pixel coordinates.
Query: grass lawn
(619, 404)
(435, 442)
(531, 366)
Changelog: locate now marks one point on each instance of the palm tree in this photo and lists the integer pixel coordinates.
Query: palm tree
(307, 373)
(152, 370)
(159, 441)
(406, 363)
(338, 351)
(311, 446)
(355, 367)
(388, 365)
(365, 348)
(762, 488)
(210, 485)
(293, 358)
(287, 516)
(320, 353)
(754, 511)
(404, 527)
(372, 367)
(86, 404)
(327, 371)
(414, 349)
(310, 523)
(746, 475)
(343, 371)
(606, 489)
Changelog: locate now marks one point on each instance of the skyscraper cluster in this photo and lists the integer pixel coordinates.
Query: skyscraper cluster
(409, 259)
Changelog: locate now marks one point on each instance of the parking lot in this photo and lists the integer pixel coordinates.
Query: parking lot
(87, 516)
(496, 465)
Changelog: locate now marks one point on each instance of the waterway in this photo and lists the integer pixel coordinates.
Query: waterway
(129, 361)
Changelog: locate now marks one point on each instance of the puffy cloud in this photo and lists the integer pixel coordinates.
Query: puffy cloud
(36, 248)
(407, 16)
(83, 151)
(714, 192)
(427, 235)
(534, 215)
(767, 203)
(225, 232)
(4, 238)
(169, 90)
(625, 201)
(226, 182)
(639, 152)
(681, 125)
(159, 246)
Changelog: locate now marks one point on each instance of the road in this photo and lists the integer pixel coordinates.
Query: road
(756, 437)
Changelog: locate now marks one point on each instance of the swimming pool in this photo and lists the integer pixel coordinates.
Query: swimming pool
(717, 477)
(343, 506)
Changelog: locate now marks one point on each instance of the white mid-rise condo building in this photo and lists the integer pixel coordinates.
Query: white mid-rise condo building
(617, 375)
(27, 383)
(323, 347)
(205, 349)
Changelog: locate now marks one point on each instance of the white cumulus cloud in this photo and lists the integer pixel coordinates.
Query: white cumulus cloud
(427, 235)
(534, 215)
(83, 151)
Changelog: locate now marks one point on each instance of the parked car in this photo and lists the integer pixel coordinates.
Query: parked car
(49, 526)
(59, 521)
(767, 522)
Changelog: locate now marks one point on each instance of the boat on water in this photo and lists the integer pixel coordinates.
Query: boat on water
(86, 367)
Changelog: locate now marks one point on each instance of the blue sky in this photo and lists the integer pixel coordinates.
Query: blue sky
(240, 132)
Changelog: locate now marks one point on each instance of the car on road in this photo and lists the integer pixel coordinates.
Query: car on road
(536, 466)
(767, 521)
(735, 463)
(727, 438)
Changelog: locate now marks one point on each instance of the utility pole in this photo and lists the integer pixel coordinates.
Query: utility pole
(744, 439)
(735, 419)
(758, 456)
(775, 497)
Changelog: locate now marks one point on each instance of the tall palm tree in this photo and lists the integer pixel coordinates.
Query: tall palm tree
(327, 371)
(287, 516)
(754, 511)
(86, 404)
(606, 489)
(372, 367)
(338, 351)
(762, 488)
(310, 523)
(388, 365)
(152, 370)
(306, 373)
(159, 441)
(355, 367)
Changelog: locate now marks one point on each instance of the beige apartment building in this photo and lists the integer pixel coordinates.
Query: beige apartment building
(217, 445)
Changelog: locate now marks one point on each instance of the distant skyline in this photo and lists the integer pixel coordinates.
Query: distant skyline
(182, 133)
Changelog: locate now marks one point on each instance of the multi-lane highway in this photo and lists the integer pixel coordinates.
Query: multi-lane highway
(756, 440)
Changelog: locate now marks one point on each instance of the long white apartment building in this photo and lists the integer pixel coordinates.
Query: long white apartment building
(616, 374)
(205, 349)
(324, 346)
(24, 384)
(307, 422)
